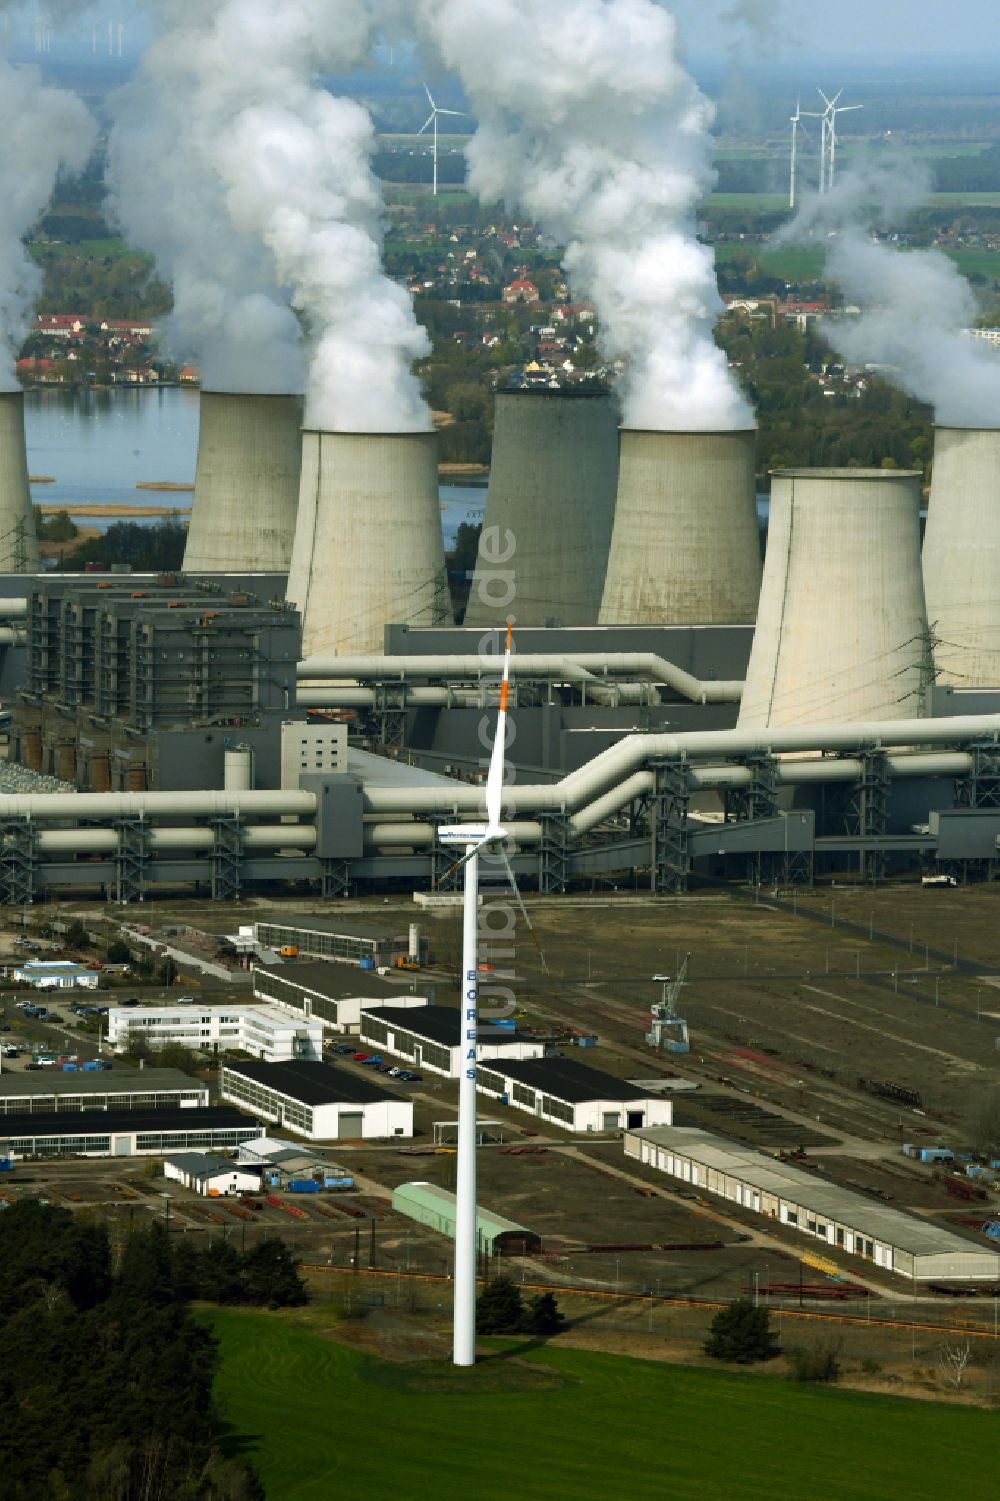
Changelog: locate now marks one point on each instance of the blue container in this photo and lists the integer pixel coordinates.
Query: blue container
(502, 1021)
(338, 1182)
(69, 1068)
(586, 1042)
(366, 964)
(92, 1066)
(303, 1186)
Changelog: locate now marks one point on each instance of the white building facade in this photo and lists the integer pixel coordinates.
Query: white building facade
(316, 1101)
(573, 1096)
(268, 1032)
(429, 1037)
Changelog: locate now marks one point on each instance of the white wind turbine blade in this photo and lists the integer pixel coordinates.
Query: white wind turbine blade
(494, 780)
(430, 97)
(428, 121)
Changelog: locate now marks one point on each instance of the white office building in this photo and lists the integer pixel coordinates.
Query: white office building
(268, 1032)
(56, 974)
(317, 1101)
(572, 1095)
(430, 1037)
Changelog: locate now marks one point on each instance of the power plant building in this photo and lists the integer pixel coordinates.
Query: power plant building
(842, 626)
(18, 544)
(961, 556)
(368, 550)
(685, 549)
(246, 486)
(549, 510)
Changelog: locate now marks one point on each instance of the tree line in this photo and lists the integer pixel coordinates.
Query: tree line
(106, 1378)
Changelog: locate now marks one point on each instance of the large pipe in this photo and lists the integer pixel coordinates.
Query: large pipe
(611, 769)
(543, 551)
(18, 543)
(555, 666)
(246, 485)
(685, 549)
(961, 556)
(371, 538)
(842, 628)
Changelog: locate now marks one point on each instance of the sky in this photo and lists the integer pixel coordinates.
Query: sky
(878, 31)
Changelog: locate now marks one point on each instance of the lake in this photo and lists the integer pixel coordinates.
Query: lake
(99, 445)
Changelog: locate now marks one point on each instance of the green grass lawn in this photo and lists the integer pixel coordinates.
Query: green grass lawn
(317, 1426)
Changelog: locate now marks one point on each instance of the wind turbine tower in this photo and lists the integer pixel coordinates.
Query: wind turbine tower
(474, 837)
(828, 152)
(796, 119)
(432, 119)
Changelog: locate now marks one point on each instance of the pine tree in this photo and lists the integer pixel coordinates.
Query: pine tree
(499, 1308)
(270, 1275)
(741, 1333)
(542, 1315)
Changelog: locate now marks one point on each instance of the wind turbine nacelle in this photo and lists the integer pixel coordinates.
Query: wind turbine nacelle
(462, 833)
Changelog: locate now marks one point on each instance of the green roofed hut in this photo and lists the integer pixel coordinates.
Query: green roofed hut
(435, 1207)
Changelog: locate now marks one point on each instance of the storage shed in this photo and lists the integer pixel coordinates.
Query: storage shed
(435, 1207)
(571, 1095)
(840, 1218)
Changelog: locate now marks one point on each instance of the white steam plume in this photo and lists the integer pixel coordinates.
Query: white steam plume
(915, 303)
(280, 172)
(43, 129)
(589, 123)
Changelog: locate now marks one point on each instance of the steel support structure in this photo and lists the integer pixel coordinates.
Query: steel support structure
(871, 801)
(553, 854)
(670, 857)
(131, 859)
(980, 788)
(17, 862)
(227, 858)
(335, 878)
(760, 798)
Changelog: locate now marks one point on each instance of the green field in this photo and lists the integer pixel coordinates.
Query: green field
(805, 262)
(321, 1421)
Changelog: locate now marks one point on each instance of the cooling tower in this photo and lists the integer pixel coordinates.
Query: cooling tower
(18, 545)
(552, 486)
(685, 547)
(246, 484)
(962, 556)
(368, 549)
(841, 630)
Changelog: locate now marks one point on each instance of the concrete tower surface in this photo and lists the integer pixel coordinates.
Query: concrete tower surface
(552, 487)
(18, 544)
(685, 547)
(246, 484)
(962, 556)
(375, 555)
(842, 629)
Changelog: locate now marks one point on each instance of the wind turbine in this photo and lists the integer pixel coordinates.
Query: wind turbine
(474, 837)
(828, 154)
(799, 115)
(432, 119)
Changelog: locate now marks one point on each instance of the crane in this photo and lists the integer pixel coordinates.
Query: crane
(668, 1030)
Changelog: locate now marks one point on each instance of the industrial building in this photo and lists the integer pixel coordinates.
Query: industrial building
(122, 1133)
(961, 556)
(333, 993)
(56, 974)
(209, 1173)
(246, 484)
(18, 542)
(430, 1037)
(435, 1207)
(843, 1220)
(268, 1032)
(332, 938)
(316, 1101)
(835, 537)
(110, 1089)
(573, 1096)
(282, 1163)
(685, 548)
(133, 684)
(349, 580)
(553, 473)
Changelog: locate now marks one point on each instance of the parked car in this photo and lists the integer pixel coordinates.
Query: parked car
(4, 1026)
(382, 1068)
(395, 1071)
(132, 1001)
(372, 1062)
(185, 1000)
(341, 1047)
(359, 1057)
(407, 1076)
(33, 1066)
